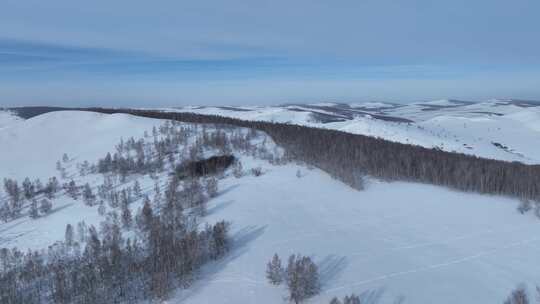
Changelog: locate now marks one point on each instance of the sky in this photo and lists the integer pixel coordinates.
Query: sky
(178, 52)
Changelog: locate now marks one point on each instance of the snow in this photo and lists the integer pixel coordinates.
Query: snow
(426, 243)
(7, 118)
(325, 104)
(530, 119)
(440, 102)
(282, 115)
(371, 105)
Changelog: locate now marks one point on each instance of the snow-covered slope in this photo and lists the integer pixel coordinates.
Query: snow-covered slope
(8, 118)
(31, 148)
(499, 129)
(426, 243)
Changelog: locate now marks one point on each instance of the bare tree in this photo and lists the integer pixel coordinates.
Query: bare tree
(28, 188)
(72, 190)
(69, 235)
(537, 210)
(38, 185)
(335, 300)
(274, 270)
(352, 299)
(52, 187)
(82, 231)
(257, 171)
(88, 195)
(127, 219)
(102, 209)
(34, 212)
(518, 296)
(238, 170)
(212, 187)
(302, 278)
(45, 206)
(524, 206)
(137, 189)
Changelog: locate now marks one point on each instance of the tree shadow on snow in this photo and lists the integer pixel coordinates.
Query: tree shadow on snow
(372, 296)
(7, 239)
(228, 189)
(218, 207)
(5, 227)
(60, 208)
(239, 245)
(330, 267)
(244, 236)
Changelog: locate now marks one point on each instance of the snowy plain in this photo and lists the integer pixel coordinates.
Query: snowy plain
(424, 243)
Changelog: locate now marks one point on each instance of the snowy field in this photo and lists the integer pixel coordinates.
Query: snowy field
(498, 129)
(423, 243)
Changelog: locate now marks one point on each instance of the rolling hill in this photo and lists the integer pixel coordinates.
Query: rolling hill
(393, 240)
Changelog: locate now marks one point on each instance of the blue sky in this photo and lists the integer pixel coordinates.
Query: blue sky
(170, 52)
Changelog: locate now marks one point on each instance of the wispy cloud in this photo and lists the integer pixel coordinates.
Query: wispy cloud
(35, 60)
(34, 54)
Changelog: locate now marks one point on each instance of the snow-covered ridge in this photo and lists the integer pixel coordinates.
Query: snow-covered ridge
(498, 129)
(8, 118)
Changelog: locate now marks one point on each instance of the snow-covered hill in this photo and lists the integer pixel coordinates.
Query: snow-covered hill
(499, 129)
(32, 147)
(8, 118)
(425, 243)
